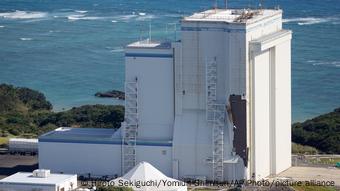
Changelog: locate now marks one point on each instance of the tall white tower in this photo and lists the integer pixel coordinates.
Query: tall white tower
(233, 66)
(221, 97)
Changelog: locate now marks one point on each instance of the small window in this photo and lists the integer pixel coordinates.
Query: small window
(163, 152)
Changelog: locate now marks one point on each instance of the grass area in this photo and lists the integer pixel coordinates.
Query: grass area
(313, 188)
(303, 149)
(3, 140)
(329, 161)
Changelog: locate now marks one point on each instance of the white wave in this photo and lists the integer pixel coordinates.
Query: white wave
(75, 17)
(84, 17)
(114, 21)
(1, 26)
(23, 15)
(324, 63)
(141, 14)
(117, 49)
(80, 11)
(126, 17)
(146, 17)
(92, 18)
(311, 20)
(135, 17)
(25, 39)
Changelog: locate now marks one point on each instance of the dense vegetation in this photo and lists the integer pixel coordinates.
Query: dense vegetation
(27, 113)
(322, 132)
(303, 149)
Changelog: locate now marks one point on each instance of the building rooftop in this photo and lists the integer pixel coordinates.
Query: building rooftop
(28, 178)
(24, 140)
(67, 134)
(233, 15)
(93, 136)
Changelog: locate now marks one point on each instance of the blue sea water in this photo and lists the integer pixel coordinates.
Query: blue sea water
(70, 49)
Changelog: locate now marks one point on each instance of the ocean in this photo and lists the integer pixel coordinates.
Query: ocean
(69, 50)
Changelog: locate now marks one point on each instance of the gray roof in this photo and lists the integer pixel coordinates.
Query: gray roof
(79, 135)
(93, 136)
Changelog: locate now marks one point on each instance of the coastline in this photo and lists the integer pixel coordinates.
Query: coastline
(78, 103)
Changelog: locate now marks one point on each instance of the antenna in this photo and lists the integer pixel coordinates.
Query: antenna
(226, 4)
(140, 33)
(175, 29)
(150, 32)
(261, 4)
(215, 4)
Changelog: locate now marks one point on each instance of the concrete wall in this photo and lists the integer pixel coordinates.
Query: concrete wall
(25, 187)
(40, 187)
(192, 145)
(99, 159)
(80, 158)
(283, 107)
(158, 156)
(154, 70)
(69, 184)
(261, 113)
(205, 42)
(271, 104)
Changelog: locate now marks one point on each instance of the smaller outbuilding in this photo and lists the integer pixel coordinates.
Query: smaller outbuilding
(39, 180)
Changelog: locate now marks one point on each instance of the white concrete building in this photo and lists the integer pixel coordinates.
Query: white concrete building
(39, 180)
(214, 105)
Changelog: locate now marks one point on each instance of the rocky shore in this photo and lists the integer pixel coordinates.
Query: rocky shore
(112, 94)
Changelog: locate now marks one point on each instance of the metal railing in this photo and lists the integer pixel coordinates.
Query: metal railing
(130, 126)
(215, 114)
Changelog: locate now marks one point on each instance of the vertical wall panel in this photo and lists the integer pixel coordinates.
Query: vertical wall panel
(283, 106)
(261, 112)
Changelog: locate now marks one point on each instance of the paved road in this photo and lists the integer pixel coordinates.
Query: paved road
(297, 173)
(11, 164)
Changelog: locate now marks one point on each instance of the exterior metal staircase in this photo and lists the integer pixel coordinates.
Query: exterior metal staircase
(215, 119)
(130, 126)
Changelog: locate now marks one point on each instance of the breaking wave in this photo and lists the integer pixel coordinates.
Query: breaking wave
(117, 49)
(25, 39)
(80, 11)
(324, 63)
(23, 15)
(135, 17)
(83, 17)
(145, 17)
(312, 20)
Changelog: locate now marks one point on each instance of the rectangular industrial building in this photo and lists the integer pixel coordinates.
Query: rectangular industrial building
(95, 152)
(214, 105)
(39, 180)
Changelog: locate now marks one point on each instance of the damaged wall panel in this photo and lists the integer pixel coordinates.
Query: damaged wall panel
(239, 117)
